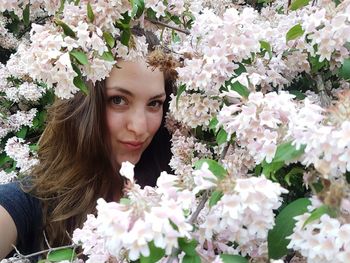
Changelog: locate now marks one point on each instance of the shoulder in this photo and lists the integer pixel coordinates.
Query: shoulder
(25, 211)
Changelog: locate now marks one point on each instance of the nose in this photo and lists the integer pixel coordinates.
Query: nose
(137, 122)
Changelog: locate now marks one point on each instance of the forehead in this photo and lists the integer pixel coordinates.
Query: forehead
(136, 77)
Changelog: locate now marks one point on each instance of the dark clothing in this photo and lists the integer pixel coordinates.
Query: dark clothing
(26, 212)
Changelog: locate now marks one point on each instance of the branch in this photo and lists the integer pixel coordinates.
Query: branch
(41, 252)
(156, 22)
(199, 208)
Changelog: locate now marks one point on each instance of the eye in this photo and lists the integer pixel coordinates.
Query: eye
(156, 104)
(118, 100)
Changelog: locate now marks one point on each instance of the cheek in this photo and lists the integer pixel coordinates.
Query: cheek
(154, 122)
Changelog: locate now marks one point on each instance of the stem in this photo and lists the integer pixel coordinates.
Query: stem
(43, 251)
(156, 22)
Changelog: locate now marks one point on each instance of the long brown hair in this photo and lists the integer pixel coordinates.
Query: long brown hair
(75, 166)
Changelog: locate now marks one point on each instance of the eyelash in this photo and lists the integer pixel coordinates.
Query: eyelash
(158, 102)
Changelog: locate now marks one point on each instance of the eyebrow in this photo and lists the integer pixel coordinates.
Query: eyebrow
(127, 92)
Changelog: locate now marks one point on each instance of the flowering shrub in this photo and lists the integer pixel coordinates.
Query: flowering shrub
(260, 124)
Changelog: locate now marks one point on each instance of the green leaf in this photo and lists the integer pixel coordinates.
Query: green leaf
(22, 132)
(296, 4)
(156, 254)
(66, 29)
(344, 71)
(214, 167)
(188, 246)
(80, 84)
(215, 198)
(80, 56)
(294, 171)
(61, 254)
(295, 32)
(109, 39)
(316, 65)
(241, 69)
(26, 15)
(284, 224)
(221, 136)
(213, 123)
(76, 69)
(4, 159)
(318, 212)
(287, 152)
(34, 147)
(125, 201)
(138, 6)
(266, 46)
(108, 56)
(233, 258)
(191, 259)
(298, 95)
(240, 89)
(269, 169)
(125, 36)
(180, 90)
(90, 13)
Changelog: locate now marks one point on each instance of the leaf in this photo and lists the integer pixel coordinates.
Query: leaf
(90, 13)
(294, 171)
(233, 258)
(287, 152)
(66, 29)
(34, 147)
(125, 201)
(156, 254)
(240, 89)
(213, 123)
(26, 15)
(266, 46)
(241, 69)
(4, 159)
(191, 259)
(22, 132)
(215, 198)
(180, 90)
(295, 32)
(125, 36)
(296, 4)
(138, 6)
(221, 136)
(80, 56)
(80, 84)
(188, 246)
(109, 39)
(344, 71)
(214, 167)
(269, 169)
(316, 65)
(318, 212)
(298, 95)
(61, 254)
(108, 56)
(284, 224)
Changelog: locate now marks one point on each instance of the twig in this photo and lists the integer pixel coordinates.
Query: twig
(26, 29)
(199, 208)
(43, 251)
(156, 22)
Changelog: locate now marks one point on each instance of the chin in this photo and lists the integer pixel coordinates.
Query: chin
(133, 160)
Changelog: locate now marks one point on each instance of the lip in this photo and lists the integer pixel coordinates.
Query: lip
(132, 145)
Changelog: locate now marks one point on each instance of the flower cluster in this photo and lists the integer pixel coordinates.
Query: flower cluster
(323, 240)
(20, 152)
(194, 110)
(244, 213)
(259, 123)
(147, 217)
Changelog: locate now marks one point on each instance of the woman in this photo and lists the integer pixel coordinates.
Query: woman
(81, 150)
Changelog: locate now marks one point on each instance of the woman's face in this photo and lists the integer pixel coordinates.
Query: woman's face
(135, 97)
